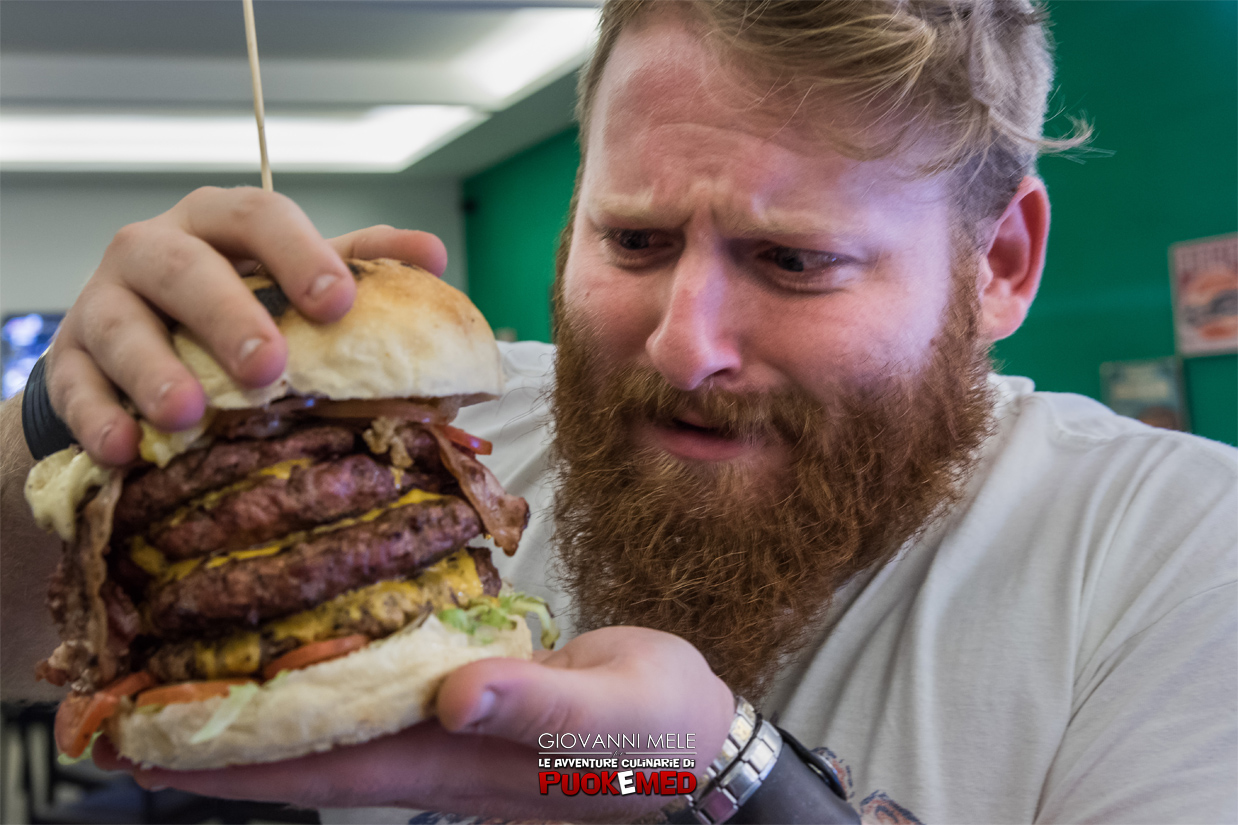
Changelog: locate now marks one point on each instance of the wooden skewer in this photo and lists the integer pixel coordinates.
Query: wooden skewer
(251, 38)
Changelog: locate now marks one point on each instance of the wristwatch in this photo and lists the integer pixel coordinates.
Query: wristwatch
(752, 746)
(763, 775)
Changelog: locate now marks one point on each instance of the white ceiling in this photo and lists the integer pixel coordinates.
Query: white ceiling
(153, 56)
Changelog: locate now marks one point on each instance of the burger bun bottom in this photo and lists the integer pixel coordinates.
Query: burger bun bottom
(386, 686)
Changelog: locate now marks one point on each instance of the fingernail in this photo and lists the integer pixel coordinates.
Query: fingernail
(157, 788)
(322, 284)
(248, 348)
(483, 709)
(104, 433)
(164, 389)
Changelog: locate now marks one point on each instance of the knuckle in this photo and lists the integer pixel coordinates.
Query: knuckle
(99, 322)
(248, 203)
(199, 196)
(108, 326)
(128, 238)
(176, 258)
(554, 714)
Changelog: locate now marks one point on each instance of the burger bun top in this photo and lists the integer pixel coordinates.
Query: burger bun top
(408, 335)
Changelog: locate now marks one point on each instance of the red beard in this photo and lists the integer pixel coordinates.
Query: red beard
(741, 567)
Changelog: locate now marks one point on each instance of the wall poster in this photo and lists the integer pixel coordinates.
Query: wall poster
(1150, 391)
(1204, 275)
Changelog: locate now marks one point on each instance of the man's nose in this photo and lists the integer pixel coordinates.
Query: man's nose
(695, 339)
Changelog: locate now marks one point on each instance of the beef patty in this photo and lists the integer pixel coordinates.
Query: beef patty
(156, 492)
(398, 543)
(276, 505)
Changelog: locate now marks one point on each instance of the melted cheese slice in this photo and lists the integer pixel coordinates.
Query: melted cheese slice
(452, 581)
(211, 500)
(57, 484)
(154, 562)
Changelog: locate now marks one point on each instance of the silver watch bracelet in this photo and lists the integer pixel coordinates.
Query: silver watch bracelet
(762, 775)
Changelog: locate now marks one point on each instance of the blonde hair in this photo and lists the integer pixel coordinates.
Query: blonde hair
(966, 82)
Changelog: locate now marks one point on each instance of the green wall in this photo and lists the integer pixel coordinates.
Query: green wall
(512, 216)
(1159, 81)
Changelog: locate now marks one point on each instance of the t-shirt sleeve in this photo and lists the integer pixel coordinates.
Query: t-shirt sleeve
(1155, 740)
(1153, 733)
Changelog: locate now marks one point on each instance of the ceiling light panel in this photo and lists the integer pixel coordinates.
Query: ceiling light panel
(110, 102)
(531, 46)
(382, 139)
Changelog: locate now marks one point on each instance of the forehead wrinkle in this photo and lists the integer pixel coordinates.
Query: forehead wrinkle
(758, 221)
(640, 210)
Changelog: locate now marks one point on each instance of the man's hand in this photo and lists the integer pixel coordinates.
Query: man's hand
(481, 756)
(183, 266)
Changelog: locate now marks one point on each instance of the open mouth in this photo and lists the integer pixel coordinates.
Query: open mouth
(692, 422)
(692, 439)
(688, 426)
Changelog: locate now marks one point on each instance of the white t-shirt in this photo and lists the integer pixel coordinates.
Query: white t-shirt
(1062, 646)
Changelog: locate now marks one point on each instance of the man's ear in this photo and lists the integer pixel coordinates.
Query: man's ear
(1011, 265)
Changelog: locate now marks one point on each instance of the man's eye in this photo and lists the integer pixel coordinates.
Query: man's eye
(800, 260)
(788, 259)
(635, 248)
(632, 240)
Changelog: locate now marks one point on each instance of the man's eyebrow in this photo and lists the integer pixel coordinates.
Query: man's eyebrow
(634, 208)
(774, 222)
(784, 223)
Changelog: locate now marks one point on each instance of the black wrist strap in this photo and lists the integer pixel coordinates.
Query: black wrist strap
(45, 432)
(816, 762)
(801, 788)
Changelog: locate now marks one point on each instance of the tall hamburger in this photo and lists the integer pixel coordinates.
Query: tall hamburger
(295, 572)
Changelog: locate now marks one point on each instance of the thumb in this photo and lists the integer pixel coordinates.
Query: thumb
(512, 698)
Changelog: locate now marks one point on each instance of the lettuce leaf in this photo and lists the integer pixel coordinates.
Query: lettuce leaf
(238, 697)
(487, 612)
(66, 760)
(520, 604)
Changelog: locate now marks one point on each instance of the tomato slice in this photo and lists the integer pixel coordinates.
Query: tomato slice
(78, 717)
(131, 684)
(478, 445)
(81, 714)
(188, 692)
(314, 653)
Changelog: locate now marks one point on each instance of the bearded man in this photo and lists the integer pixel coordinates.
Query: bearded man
(766, 457)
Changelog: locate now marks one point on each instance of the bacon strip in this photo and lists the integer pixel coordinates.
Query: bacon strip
(504, 516)
(96, 623)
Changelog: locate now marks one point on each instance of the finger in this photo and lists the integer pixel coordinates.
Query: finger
(409, 245)
(87, 403)
(257, 782)
(131, 346)
(190, 281)
(519, 700)
(417, 767)
(269, 227)
(621, 678)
